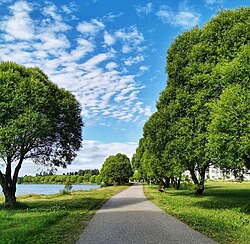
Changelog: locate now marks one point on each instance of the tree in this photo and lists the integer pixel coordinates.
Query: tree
(116, 169)
(230, 128)
(201, 63)
(38, 121)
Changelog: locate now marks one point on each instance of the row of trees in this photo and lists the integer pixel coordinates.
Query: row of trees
(116, 169)
(202, 116)
(56, 179)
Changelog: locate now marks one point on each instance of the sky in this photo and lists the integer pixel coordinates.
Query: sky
(110, 54)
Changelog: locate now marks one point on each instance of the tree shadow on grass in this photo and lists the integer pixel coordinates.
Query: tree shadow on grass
(219, 198)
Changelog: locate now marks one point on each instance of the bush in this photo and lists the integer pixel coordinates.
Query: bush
(67, 189)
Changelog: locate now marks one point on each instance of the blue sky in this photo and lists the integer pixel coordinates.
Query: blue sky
(111, 54)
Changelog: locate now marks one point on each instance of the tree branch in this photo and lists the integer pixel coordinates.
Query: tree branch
(1, 178)
(8, 170)
(18, 167)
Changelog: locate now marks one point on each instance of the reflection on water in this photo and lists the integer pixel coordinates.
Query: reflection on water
(48, 188)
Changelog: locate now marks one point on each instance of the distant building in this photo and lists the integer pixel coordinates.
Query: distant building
(218, 173)
(214, 173)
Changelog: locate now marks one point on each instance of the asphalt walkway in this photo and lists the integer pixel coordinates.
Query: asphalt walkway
(129, 217)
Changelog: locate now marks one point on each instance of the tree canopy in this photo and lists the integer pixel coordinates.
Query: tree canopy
(116, 170)
(38, 121)
(201, 64)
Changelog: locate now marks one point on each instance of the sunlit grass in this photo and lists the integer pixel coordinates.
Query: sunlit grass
(221, 213)
(51, 218)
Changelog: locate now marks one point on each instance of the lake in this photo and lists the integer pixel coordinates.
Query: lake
(47, 189)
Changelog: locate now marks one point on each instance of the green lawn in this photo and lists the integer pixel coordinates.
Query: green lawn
(52, 218)
(222, 212)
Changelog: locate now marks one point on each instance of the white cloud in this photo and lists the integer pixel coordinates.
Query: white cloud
(144, 68)
(76, 64)
(111, 16)
(69, 8)
(144, 10)
(19, 25)
(185, 17)
(92, 62)
(92, 155)
(134, 60)
(83, 47)
(131, 39)
(108, 39)
(111, 66)
(148, 111)
(91, 27)
(211, 2)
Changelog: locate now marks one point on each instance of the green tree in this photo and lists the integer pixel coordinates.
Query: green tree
(38, 121)
(92, 179)
(116, 169)
(86, 177)
(201, 63)
(229, 139)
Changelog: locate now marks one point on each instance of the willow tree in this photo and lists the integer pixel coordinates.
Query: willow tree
(38, 121)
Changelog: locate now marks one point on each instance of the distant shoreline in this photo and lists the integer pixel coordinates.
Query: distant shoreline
(56, 183)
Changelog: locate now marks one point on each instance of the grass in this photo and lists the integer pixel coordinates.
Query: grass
(51, 218)
(222, 212)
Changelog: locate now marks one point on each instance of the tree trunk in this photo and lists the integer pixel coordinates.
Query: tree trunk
(178, 184)
(166, 183)
(9, 194)
(173, 181)
(200, 188)
(194, 178)
(8, 184)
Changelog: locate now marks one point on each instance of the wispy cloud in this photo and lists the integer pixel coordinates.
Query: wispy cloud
(111, 66)
(185, 17)
(143, 10)
(211, 2)
(111, 16)
(81, 65)
(19, 25)
(90, 28)
(134, 60)
(131, 39)
(89, 70)
(108, 39)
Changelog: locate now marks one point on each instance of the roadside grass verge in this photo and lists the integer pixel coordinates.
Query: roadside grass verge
(53, 218)
(222, 212)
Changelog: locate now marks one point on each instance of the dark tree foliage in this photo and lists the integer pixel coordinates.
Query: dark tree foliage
(38, 121)
(88, 171)
(201, 63)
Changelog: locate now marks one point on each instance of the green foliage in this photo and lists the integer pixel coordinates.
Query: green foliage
(56, 179)
(38, 121)
(230, 127)
(67, 189)
(92, 179)
(116, 170)
(190, 130)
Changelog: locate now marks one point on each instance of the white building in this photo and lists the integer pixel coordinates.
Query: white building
(214, 173)
(218, 173)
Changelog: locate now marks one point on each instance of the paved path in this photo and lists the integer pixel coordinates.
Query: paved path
(129, 217)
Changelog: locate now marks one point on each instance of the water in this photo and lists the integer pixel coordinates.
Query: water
(47, 189)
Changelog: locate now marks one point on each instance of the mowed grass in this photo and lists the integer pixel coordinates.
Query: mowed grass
(52, 218)
(222, 212)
